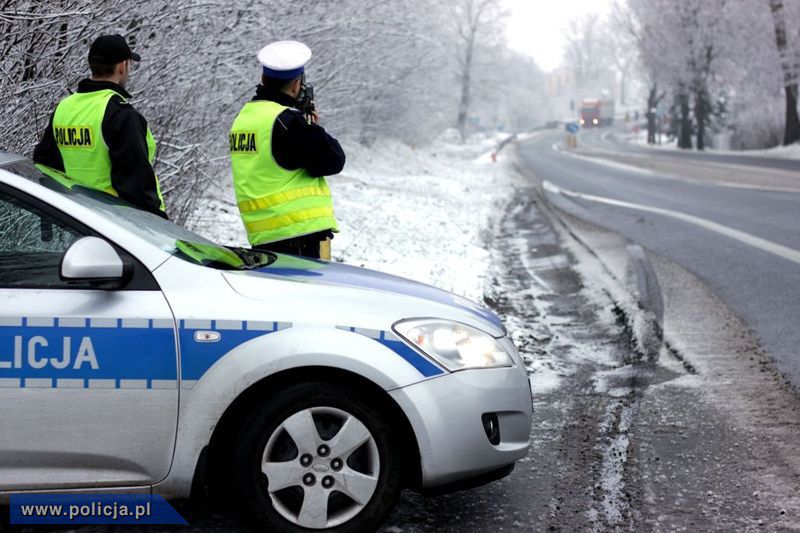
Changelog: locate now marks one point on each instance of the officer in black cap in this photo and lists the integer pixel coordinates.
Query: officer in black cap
(96, 139)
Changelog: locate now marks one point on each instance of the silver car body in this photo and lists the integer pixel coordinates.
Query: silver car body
(135, 404)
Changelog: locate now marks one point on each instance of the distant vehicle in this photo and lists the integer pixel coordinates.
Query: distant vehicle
(137, 355)
(552, 124)
(597, 112)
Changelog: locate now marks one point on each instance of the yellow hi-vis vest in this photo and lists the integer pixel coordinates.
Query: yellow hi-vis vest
(275, 203)
(78, 130)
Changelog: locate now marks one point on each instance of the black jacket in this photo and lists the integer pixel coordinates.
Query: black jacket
(298, 144)
(125, 134)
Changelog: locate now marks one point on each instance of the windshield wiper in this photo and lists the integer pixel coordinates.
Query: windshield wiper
(254, 259)
(224, 257)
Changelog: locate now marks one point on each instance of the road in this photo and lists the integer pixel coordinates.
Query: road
(758, 198)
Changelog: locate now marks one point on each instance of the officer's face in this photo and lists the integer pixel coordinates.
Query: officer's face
(125, 73)
(296, 87)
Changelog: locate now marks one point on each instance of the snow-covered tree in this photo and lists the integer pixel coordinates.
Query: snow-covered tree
(717, 61)
(638, 25)
(788, 47)
(379, 69)
(477, 26)
(589, 54)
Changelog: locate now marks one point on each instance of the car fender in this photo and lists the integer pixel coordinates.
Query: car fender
(204, 401)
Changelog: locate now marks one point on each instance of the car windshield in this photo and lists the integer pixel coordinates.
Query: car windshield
(162, 233)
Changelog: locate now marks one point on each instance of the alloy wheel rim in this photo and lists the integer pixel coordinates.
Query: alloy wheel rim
(322, 467)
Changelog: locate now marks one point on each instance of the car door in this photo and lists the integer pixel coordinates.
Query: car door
(88, 377)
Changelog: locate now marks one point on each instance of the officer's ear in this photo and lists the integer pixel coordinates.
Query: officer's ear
(296, 86)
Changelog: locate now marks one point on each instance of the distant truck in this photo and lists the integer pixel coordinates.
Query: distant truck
(597, 112)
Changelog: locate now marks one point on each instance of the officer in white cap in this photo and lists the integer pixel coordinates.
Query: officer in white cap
(280, 156)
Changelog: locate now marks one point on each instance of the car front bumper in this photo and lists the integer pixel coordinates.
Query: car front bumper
(446, 415)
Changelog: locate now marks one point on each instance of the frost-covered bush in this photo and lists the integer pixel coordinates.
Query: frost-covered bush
(759, 126)
(198, 68)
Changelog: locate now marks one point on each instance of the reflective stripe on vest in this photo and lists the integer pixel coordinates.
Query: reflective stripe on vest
(78, 130)
(275, 203)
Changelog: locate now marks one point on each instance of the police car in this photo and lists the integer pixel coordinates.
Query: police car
(138, 356)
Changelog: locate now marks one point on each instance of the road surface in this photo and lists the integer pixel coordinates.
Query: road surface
(741, 236)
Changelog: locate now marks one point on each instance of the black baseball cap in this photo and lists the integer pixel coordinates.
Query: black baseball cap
(110, 50)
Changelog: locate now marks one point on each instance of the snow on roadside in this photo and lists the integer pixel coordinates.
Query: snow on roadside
(785, 152)
(417, 212)
(640, 138)
(789, 152)
(617, 293)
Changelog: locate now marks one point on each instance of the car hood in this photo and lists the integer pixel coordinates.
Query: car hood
(323, 273)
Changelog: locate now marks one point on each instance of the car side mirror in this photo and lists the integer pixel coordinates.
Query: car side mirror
(94, 261)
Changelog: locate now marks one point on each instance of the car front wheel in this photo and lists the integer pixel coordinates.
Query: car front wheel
(317, 456)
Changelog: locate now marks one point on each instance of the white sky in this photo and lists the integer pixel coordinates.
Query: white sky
(536, 27)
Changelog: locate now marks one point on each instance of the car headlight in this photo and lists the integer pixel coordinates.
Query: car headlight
(454, 345)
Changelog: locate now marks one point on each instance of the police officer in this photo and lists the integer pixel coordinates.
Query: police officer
(97, 139)
(280, 157)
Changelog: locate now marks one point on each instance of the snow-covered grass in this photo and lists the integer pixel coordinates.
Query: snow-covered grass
(787, 152)
(417, 212)
(640, 138)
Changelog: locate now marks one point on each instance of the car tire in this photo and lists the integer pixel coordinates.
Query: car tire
(283, 482)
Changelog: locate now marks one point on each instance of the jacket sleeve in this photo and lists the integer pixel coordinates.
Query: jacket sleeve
(132, 176)
(297, 144)
(46, 152)
(324, 156)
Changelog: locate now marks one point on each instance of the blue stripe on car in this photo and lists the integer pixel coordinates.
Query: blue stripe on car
(198, 357)
(134, 355)
(423, 365)
(130, 352)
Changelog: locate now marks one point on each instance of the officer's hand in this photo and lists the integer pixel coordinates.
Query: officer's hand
(314, 117)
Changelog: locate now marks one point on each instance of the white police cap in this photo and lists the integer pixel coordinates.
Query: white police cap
(284, 60)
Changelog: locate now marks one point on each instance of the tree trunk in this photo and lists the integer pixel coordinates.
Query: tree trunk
(651, 115)
(685, 131)
(700, 112)
(791, 132)
(623, 86)
(366, 136)
(466, 81)
(29, 62)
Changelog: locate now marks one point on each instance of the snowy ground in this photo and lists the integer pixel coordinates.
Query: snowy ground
(640, 138)
(786, 152)
(418, 213)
